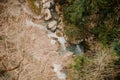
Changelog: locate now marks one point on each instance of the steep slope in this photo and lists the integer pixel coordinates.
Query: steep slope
(26, 51)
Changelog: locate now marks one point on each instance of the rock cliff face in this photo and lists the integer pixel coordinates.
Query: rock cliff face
(31, 45)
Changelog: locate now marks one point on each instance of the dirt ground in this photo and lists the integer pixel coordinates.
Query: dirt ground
(25, 51)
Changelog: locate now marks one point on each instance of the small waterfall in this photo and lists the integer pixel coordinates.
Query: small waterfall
(79, 48)
(76, 48)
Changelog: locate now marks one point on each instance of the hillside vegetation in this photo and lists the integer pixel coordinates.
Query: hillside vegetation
(27, 54)
(100, 18)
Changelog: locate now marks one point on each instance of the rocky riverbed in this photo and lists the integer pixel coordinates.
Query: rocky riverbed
(31, 45)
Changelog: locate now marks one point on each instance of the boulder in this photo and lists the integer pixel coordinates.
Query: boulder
(46, 5)
(52, 25)
(60, 27)
(47, 14)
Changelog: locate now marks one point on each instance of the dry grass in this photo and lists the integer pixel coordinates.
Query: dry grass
(33, 7)
(31, 46)
(100, 67)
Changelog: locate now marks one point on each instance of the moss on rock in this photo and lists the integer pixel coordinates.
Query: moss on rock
(34, 8)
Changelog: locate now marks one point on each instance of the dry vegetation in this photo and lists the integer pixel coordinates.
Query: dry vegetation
(99, 67)
(25, 51)
(17, 49)
(36, 9)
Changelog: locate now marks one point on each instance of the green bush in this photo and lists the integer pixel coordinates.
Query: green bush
(117, 47)
(104, 14)
(74, 33)
(105, 33)
(80, 62)
(102, 19)
(73, 12)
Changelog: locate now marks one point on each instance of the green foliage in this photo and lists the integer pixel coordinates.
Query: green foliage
(74, 11)
(105, 34)
(80, 62)
(102, 19)
(117, 46)
(74, 33)
(103, 13)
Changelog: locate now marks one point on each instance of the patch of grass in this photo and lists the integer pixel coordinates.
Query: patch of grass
(34, 8)
(99, 17)
(74, 33)
(117, 46)
(98, 67)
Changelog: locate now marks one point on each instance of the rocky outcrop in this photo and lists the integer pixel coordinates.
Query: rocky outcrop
(30, 54)
(52, 25)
